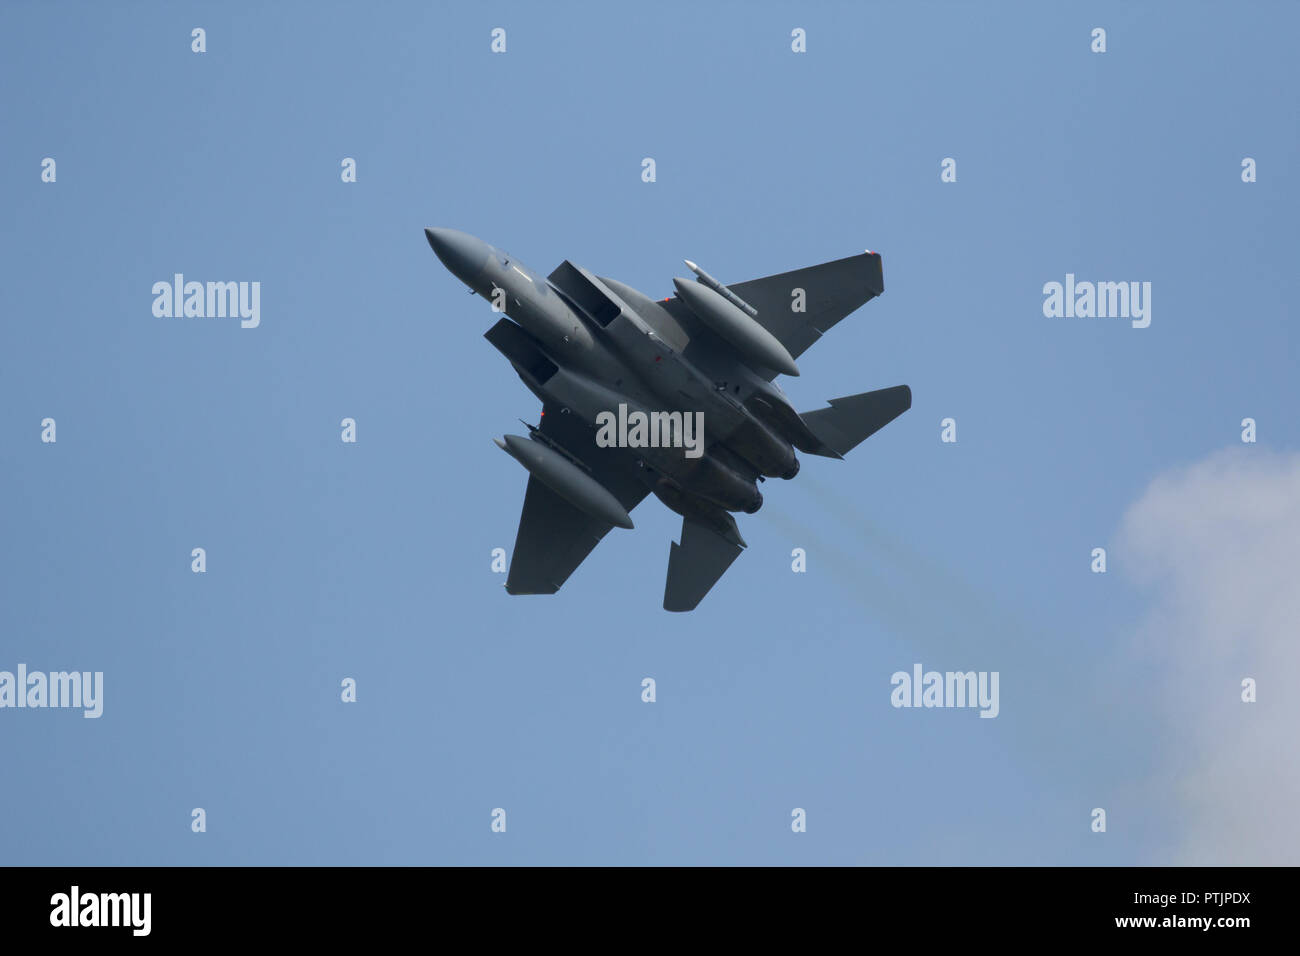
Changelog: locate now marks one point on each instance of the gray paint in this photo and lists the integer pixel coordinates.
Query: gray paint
(587, 346)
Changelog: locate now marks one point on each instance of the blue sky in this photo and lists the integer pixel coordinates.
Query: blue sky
(371, 560)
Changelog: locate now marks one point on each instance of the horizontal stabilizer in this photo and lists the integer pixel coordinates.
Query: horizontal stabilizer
(696, 564)
(852, 420)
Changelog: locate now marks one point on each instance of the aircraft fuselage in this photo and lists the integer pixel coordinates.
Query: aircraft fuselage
(615, 351)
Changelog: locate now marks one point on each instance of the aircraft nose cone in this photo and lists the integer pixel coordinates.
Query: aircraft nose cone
(465, 256)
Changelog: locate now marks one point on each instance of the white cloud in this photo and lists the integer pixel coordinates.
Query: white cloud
(1216, 546)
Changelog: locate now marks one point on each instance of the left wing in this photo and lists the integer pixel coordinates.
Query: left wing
(554, 536)
(831, 291)
(828, 292)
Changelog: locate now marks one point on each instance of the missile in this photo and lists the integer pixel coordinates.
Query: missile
(566, 479)
(752, 340)
(722, 290)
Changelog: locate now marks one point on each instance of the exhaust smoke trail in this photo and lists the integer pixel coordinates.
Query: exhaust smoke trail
(952, 626)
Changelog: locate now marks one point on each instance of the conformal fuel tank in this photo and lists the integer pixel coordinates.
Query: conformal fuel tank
(565, 479)
(753, 341)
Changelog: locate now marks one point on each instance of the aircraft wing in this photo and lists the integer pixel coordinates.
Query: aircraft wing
(554, 536)
(832, 290)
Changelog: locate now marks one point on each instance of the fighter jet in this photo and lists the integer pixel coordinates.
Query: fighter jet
(626, 382)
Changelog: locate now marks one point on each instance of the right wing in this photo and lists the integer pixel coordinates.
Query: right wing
(554, 536)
